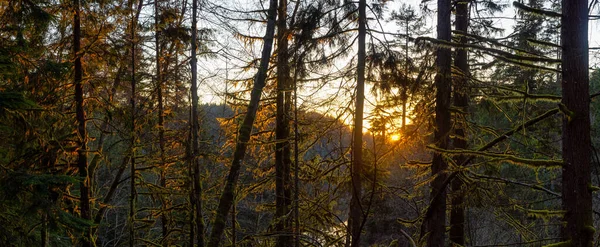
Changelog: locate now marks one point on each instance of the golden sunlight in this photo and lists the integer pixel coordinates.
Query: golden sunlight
(395, 137)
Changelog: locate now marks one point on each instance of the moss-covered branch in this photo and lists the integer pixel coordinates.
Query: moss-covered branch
(505, 135)
(536, 11)
(500, 156)
(526, 95)
(498, 52)
(507, 181)
(522, 64)
(544, 43)
(494, 42)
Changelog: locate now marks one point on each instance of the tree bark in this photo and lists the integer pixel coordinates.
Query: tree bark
(405, 85)
(436, 217)
(161, 114)
(355, 220)
(282, 133)
(461, 101)
(84, 185)
(132, 188)
(197, 186)
(163, 168)
(576, 150)
(245, 130)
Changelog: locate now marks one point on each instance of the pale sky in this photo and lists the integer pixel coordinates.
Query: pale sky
(217, 70)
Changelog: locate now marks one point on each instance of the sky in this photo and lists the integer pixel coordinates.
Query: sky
(218, 70)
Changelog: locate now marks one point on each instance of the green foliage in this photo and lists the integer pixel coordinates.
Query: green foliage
(15, 101)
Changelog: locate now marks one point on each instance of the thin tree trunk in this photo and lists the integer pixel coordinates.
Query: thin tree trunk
(457, 214)
(356, 212)
(436, 216)
(192, 214)
(405, 84)
(161, 115)
(133, 192)
(84, 200)
(282, 133)
(296, 163)
(576, 150)
(245, 130)
(197, 186)
(162, 175)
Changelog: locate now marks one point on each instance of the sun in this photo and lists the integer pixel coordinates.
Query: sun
(395, 137)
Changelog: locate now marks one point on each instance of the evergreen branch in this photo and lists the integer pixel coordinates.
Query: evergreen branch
(533, 186)
(494, 42)
(538, 212)
(515, 130)
(498, 140)
(501, 156)
(16, 101)
(537, 11)
(507, 60)
(490, 50)
(544, 43)
(551, 98)
(526, 95)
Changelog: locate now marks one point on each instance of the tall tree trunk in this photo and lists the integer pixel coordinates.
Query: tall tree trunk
(133, 192)
(296, 164)
(405, 85)
(84, 185)
(457, 213)
(576, 150)
(197, 186)
(163, 168)
(161, 112)
(245, 130)
(436, 216)
(282, 133)
(356, 212)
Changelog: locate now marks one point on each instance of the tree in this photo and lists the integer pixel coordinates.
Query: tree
(82, 164)
(197, 187)
(412, 24)
(435, 218)
(355, 221)
(461, 102)
(575, 104)
(245, 130)
(160, 90)
(132, 168)
(283, 182)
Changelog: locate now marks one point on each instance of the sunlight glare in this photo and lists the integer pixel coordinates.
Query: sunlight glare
(395, 137)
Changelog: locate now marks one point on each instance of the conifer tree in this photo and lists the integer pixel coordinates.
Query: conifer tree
(197, 187)
(82, 163)
(227, 196)
(576, 180)
(355, 221)
(461, 102)
(435, 218)
(133, 136)
(283, 160)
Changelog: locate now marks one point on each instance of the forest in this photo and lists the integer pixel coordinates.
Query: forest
(299, 123)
